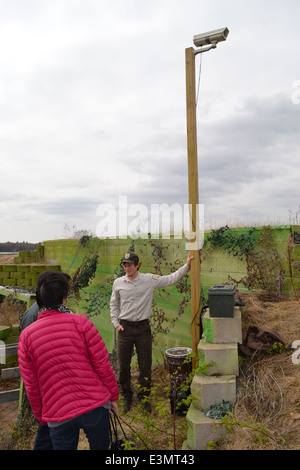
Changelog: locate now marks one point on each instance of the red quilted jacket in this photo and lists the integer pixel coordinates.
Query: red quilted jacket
(65, 366)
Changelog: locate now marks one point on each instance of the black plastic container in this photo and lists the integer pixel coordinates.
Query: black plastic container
(221, 301)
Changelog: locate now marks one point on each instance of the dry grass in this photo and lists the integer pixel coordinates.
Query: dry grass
(10, 312)
(267, 410)
(280, 315)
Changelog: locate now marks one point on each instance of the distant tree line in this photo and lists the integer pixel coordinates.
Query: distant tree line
(17, 246)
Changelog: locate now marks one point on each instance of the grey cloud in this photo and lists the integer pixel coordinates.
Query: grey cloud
(95, 108)
(246, 163)
(263, 132)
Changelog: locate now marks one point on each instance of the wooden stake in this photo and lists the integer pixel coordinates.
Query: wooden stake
(193, 197)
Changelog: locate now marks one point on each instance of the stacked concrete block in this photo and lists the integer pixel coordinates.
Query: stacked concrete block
(218, 361)
(209, 388)
(4, 332)
(34, 256)
(7, 331)
(23, 275)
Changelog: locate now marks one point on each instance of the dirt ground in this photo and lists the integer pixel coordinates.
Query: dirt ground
(8, 259)
(266, 414)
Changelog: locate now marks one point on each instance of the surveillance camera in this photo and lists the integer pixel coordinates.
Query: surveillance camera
(212, 37)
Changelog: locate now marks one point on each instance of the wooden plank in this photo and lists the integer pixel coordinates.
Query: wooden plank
(193, 198)
(10, 373)
(11, 349)
(9, 395)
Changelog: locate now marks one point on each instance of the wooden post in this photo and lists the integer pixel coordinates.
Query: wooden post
(193, 198)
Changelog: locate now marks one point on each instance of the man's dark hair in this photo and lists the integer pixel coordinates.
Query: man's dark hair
(52, 288)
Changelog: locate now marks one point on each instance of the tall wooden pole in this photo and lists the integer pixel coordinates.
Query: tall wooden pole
(193, 198)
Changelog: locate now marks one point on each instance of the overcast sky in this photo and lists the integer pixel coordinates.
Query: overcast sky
(93, 108)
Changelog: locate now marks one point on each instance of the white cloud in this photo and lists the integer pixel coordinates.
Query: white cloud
(92, 106)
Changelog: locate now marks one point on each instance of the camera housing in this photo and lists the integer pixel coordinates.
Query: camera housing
(211, 37)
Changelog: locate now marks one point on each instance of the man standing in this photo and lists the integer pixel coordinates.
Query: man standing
(130, 307)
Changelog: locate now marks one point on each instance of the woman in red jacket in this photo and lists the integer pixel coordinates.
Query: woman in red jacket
(66, 371)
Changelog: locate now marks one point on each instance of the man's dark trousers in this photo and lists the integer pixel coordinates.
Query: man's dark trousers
(136, 334)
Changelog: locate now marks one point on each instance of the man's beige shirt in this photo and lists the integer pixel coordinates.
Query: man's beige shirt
(132, 300)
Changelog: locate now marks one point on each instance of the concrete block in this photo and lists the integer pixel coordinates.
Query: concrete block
(15, 329)
(25, 283)
(39, 268)
(40, 251)
(224, 356)
(4, 275)
(4, 332)
(223, 330)
(210, 390)
(10, 373)
(10, 282)
(201, 429)
(17, 275)
(8, 267)
(185, 445)
(33, 276)
(23, 268)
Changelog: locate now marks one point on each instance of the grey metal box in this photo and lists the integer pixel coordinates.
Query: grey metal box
(221, 301)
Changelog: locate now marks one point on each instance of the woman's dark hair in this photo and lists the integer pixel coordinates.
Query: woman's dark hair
(52, 288)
